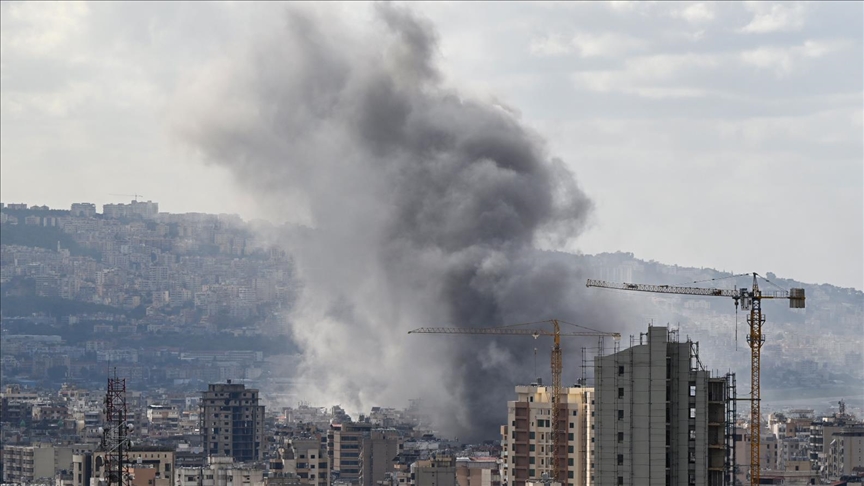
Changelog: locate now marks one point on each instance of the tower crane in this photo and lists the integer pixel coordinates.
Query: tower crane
(136, 196)
(750, 299)
(559, 430)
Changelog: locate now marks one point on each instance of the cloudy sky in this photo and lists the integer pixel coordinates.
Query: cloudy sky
(719, 135)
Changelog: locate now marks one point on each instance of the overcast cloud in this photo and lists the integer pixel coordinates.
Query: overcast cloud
(721, 135)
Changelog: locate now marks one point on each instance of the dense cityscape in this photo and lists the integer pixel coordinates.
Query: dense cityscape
(186, 313)
(607, 243)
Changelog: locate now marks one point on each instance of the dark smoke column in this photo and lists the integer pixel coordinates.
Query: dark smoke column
(425, 209)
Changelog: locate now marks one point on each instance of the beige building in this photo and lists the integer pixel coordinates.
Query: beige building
(527, 439)
(478, 471)
(845, 452)
(306, 459)
(25, 464)
(220, 471)
(437, 471)
(358, 453)
(344, 447)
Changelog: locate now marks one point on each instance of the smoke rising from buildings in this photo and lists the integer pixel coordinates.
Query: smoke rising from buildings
(426, 209)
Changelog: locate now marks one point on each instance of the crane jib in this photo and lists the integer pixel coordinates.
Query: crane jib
(750, 300)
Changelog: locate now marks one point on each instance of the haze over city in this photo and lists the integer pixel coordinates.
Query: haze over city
(692, 127)
(246, 207)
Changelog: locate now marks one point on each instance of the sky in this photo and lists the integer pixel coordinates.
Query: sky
(724, 135)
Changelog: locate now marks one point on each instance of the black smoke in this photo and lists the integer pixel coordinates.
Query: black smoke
(427, 208)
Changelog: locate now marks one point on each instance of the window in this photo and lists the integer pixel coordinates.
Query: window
(532, 447)
(620, 414)
(531, 473)
(620, 393)
(620, 370)
(570, 474)
(570, 461)
(692, 434)
(620, 480)
(620, 459)
(692, 412)
(531, 435)
(531, 460)
(571, 425)
(570, 449)
(620, 436)
(570, 436)
(692, 389)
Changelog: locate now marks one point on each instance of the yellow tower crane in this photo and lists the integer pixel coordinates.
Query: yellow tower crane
(750, 299)
(559, 428)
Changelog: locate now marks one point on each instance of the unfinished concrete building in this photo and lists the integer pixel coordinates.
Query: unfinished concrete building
(660, 418)
(232, 422)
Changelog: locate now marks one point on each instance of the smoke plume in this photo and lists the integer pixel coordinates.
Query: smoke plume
(425, 208)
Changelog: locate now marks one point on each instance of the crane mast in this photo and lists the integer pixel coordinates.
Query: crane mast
(559, 430)
(750, 299)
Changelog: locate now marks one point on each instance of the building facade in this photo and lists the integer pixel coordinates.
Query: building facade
(660, 419)
(527, 439)
(232, 422)
(26, 464)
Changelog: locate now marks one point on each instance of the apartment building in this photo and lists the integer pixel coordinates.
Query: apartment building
(25, 464)
(478, 471)
(148, 465)
(527, 439)
(344, 446)
(845, 452)
(232, 422)
(660, 419)
(220, 471)
(306, 459)
(436, 471)
(358, 453)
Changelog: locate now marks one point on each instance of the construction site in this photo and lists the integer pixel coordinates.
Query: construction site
(656, 414)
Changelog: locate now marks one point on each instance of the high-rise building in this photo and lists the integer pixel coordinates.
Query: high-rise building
(232, 422)
(360, 454)
(528, 439)
(306, 458)
(379, 450)
(661, 419)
